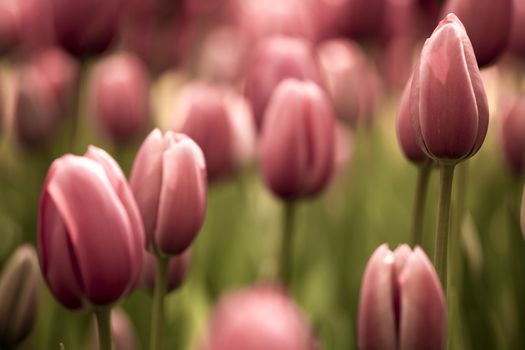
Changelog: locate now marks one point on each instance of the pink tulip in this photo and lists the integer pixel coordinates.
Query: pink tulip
(517, 35)
(405, 131)
(168, 180)
(513, 137)
(488, 43)
(297, 140)
(221, 123)
(272, 61)
(257, 318)
(448, 105)
(119, 93)
(401, 304)
(90, 234)
(178, 267)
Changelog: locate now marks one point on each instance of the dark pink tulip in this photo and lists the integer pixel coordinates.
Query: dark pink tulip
(273, 60)
(401, 304)
(86, 27)
(178, 267)
(513, 137)
(221, 123)
(297, 140)
(119, 93)
(517, 35)
(449, 108)
(488, 43)
(257, 318)
(90, 234)
(405, 131)
(168, 180)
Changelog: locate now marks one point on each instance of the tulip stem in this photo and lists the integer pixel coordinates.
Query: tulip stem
(157, 316)
(443, 225)
(285, 268)
(104, 327)
(418, 212)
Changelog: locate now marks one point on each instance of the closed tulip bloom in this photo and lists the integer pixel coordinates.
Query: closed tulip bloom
(168, 180)
(273, 60)
(296, 149)
(178, 267)
(401, 306)
(19, 296)
(517, 36)
(220, 122)
(86, 27)
(119, 93)
(475, 14)
(513, 137)
(90, 234)
(405, 131)
(449, 108)
(257, 318)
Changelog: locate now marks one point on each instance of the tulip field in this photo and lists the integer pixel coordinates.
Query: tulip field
(258, 175)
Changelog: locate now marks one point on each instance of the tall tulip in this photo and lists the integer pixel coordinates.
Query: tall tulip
(168, 180)
(401, 304)
(90, 234)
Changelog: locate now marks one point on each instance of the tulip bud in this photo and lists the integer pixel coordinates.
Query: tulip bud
(257, 318)
(405, 131)
(401, 304)
(448, 105)
(123, 333)
(513, 137)
(517, 35)
(86, 27)
(19, 296)
(168, 180)
(220, 122)
(274, 60)
(88, 221)
(178, 266)
(119, 93)
(475, 14)
(297, 140)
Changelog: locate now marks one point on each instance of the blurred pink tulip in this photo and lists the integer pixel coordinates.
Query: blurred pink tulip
(178, 267)
(517, 36)
(297, 140)
(257, 318)
(86, 27)
(402, 305)
(488, 43)
(221, 123)
(448, 105)
(273, 60)
(513, 137)
(90, 234)
(119, 96)
(168, 180)
(123, 333)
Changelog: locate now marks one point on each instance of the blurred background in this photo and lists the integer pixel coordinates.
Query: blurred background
(106, 72)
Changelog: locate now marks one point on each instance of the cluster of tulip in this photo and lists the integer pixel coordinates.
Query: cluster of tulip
(295, 87)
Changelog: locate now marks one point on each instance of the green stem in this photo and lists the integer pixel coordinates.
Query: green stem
(157, 316)
(285, 268)
(418, 212)
(443, 225)
(104, 327)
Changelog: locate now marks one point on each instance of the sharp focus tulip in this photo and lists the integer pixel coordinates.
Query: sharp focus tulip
(220, 122)
(517, 36)
(272, 61)
(178, 266)
(90, 233)
(401, 305)
(405, 131)
(168, 180)
(86, 27)
(122, 332)
(120, 97)
(513, 137)
(257, 318)
(488, 42)
(448, 105)
(19, 296)
(297, 140)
